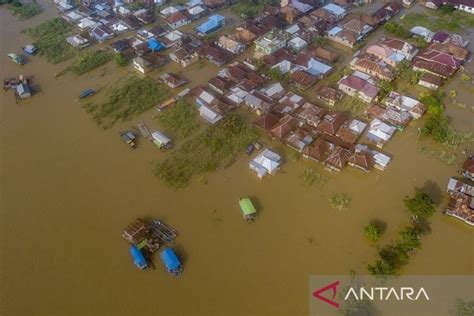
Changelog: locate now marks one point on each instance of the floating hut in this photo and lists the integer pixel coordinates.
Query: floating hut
(145, 237)
(248, 210)
(161, 140)
(128, 138)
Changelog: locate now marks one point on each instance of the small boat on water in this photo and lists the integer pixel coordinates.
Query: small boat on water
(171, 262)
(249, 149)
(128, 138)
(248, 210)
(87, 93)
(138, 258)
(30, 49)
(144, 130)
(16, 58)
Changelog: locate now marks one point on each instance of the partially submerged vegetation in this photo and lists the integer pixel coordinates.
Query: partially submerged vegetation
(351, 104)
(311, 177)
(180, 119)
(339, 201)
(396, 254)
(129, 98)
(89, 60)
(437, 125)
(23, 10)
(50, 40)
(373, 231)
(250, 8)
(213, 147)
(397, 30)
(439, 20)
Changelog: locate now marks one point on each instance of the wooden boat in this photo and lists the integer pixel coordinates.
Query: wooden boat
(160, 231)
(30, 49)
(128, 138)
(16, 58)
(87, 93)
(144, 130)
(13, 82)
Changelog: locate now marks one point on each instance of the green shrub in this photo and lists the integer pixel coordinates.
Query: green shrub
(339, 201)
(50, 40)
(89, 60)
(213, 147)
(180, 119)
(373, 232)
(24, 11)
(128, 99)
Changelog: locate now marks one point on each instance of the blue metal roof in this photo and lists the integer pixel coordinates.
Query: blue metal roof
(170, 259)
(138, 257)
(155, 45)
(212, 23)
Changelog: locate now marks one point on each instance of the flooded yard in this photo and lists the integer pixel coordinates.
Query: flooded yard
(69, 188)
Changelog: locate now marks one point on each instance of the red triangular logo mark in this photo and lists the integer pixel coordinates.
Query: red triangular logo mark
(333, 287)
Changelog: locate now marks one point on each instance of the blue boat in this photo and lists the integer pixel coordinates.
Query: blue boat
(171, 262)
(86, 93)
(30, 49)
(138, 258)
(249, 149)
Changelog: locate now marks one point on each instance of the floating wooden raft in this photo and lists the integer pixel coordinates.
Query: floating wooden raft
(163, 232)
(144, 130)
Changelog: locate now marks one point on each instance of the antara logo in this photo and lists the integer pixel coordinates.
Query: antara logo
(372, 293)
(333, 287)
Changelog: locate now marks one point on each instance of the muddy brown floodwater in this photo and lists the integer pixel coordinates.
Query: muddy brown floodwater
(68, 188)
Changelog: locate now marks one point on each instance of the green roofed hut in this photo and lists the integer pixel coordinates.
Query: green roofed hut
(248, 210)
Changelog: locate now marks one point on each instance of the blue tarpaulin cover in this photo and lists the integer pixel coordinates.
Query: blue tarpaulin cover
(138, 257)
(170, 260)
(155, 45)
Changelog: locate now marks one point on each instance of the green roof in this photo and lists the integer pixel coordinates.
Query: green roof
(247, 207)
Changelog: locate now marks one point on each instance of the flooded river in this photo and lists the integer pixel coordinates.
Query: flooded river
(68, 188)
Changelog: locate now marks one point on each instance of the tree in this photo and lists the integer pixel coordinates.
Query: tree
(373, 232)
(397, 30)
(120, 60)
(409, 239)
(436, 126)
(386, 86)
(447, 8)
(420, 206)
(433, 102)
(381, 268)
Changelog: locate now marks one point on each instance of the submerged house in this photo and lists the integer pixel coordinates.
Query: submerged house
(267, 162)
(77, 41)
(101, 33)
(461, 202)
(380, 133)
(142, 65)
(271, 42)
(467, 169)
(212, 24)
(356, 86)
